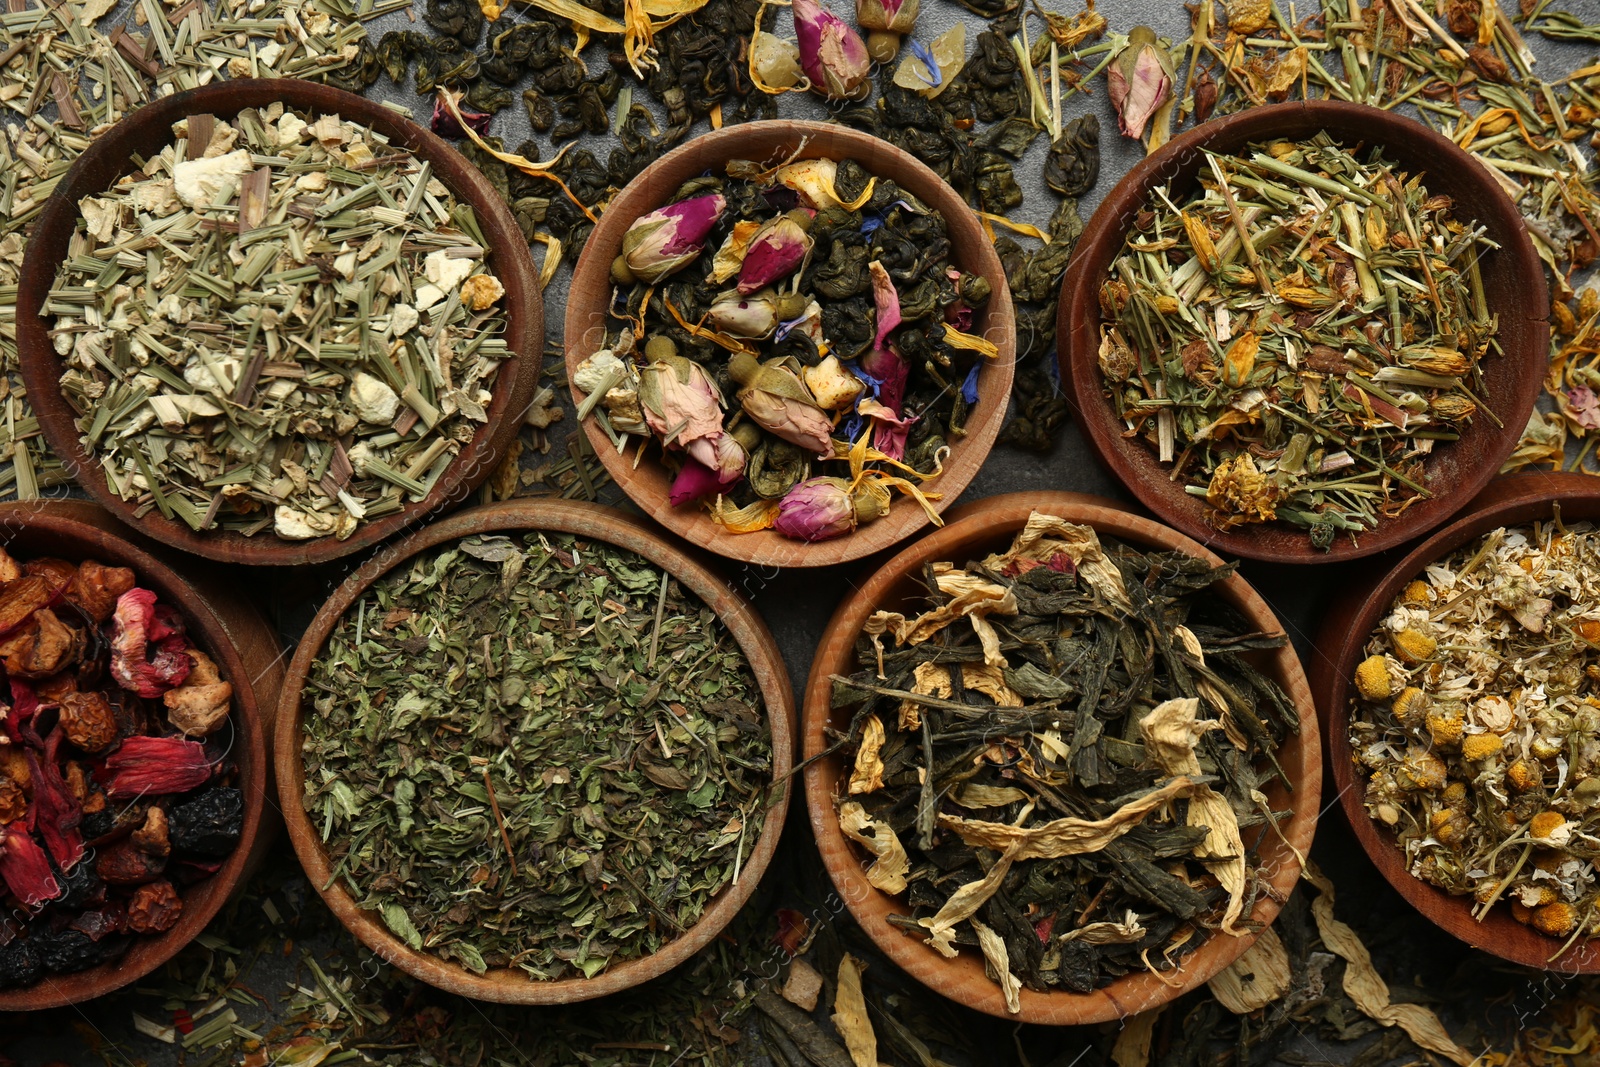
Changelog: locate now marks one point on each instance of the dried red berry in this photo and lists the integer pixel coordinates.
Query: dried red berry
(154, 908)
(89, 721)
(150, 766)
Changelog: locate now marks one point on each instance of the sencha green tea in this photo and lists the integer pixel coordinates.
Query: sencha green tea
(282, 321)
(1054, 763)
(535, 752)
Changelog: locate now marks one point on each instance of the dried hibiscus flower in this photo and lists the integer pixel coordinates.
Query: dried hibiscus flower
(85, 654)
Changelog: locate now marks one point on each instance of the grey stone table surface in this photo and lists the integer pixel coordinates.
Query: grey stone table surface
(797, 604)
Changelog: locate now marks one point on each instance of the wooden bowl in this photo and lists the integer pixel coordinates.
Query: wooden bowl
(146, 132)
(1513, 279)
(508, 985)
(246, 649)
(975, 530)
(1507, 502)
(971, 250)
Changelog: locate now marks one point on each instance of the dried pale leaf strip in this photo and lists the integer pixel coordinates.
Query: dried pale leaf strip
(888, 871)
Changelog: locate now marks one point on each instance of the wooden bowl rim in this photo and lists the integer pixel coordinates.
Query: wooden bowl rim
(595, 522)
(1513, 501)
(990, 523)
(70, 519)
(1135, 464)
(649, 190)
(509, 257)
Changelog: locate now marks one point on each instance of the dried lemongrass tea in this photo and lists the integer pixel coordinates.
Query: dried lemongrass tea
(1297, 337)
(1477, 720)
(1056, 764)
(795, 337)
(535, 752)
(279, 322)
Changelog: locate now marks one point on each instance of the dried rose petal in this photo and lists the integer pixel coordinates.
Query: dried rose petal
(444, 123)
(153, 766)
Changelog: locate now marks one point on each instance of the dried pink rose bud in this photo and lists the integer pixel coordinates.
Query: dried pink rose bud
(753, 315)
(832, 54)
(696, 481)
(1139, 80)
(680, 403)
(778, 401)
(669, 238)
(815, 510)
(774, 252)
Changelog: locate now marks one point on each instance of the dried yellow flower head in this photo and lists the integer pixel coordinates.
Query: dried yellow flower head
(1413, 647)
(1455, 796)
(1551, 829)
(1547, 747)
(1524, 775)
(1442, 361)
(1247, 16)
(1556, 920)
(1446, 724)
(1410, 706)
(1449, 827)
(1373, 681)
(1453, 408)
(1417, 593)
(1422, 770)
(1481, 746)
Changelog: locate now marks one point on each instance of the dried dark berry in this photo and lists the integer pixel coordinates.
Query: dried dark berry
(122, 864)
(208, 825)
(97, 825)
(103, 922)
(80, 887)
(19, 965)
(68, 950)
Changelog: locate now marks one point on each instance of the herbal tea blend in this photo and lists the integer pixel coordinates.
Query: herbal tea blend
(1054, 762)
(114, 786)
(795, 338)
(1296, 338)
(280, 321)
(535, 752)
(1477, 719)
